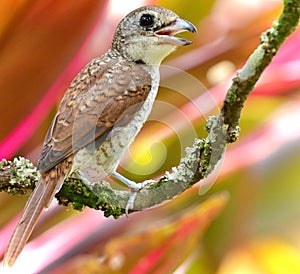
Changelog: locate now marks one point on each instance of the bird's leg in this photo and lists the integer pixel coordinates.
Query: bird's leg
(133, 186)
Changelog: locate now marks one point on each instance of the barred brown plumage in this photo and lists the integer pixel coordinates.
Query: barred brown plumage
(103, 109)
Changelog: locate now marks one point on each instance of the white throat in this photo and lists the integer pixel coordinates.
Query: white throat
(150, 54)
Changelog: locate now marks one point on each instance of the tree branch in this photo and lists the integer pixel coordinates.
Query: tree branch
(17, 176)
(200, 160)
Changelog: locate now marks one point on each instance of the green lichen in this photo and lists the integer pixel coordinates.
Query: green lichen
(22, 172)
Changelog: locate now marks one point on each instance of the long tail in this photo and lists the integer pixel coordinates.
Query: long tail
(39, 199)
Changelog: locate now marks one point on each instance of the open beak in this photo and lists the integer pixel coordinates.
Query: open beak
(167, 33)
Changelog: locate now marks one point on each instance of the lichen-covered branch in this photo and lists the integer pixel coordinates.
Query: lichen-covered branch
(17, 176)
(200, 159)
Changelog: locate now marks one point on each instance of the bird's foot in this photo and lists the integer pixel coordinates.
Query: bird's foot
(135, 188)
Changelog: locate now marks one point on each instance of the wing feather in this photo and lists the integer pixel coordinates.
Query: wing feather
(95, 100)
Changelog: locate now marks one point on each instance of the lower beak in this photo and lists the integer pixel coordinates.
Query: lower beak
(179, 25)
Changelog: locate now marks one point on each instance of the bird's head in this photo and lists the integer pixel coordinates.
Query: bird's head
(147, 34)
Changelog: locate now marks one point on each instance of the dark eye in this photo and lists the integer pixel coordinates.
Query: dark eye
(147, 20)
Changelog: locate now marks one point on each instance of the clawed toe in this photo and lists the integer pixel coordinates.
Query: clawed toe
(135, 188)
(130, 202)
(133, 194)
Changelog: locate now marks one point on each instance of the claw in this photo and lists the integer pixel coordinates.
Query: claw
(130, 202)
(135, 188)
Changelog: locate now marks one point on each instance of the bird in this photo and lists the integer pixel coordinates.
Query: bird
(102, 111)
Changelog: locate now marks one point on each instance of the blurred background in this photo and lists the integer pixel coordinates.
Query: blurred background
(242, 219)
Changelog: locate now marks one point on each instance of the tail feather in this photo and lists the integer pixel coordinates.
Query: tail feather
(39, 199)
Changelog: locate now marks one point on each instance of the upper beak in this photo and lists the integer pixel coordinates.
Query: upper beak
(179, 25)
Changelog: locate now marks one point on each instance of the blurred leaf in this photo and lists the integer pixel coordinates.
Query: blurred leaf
(270, 256)
(277, 203)
(37, 40)
(159, 250)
